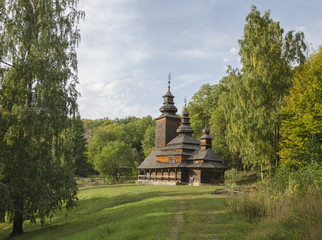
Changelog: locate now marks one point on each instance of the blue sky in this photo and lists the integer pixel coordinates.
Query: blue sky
(129, 47)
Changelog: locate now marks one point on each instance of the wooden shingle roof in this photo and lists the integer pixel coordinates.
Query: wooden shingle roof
(206, 155)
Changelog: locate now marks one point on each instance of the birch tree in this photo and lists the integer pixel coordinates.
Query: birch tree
(38, 78)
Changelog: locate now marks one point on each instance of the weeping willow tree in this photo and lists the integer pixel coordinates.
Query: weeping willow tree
(38, 78)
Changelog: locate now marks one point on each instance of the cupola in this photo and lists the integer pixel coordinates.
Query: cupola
(185, 127)
(168, 104)
(206, 139)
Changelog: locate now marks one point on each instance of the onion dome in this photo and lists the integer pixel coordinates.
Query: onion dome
(185, 123)
(168, 104)
(168, 109)
(205, 138)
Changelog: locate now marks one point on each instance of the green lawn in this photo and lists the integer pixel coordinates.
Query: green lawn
(141, 212)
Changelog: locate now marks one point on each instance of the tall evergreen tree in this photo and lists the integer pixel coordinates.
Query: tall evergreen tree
(38, 77)
(78, 146)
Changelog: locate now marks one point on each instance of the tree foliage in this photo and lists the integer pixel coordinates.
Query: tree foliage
(244, 108)
(257, 90)
(130, 131)
(115, 158)
(148, 141)
(38, 76)
(203, 102)
(78, 148)
(302, 114)
(212, 104)
(101, 137)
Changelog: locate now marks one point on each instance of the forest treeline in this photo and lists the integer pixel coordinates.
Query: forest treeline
(266, 114)
(269, 111)
(116, 147)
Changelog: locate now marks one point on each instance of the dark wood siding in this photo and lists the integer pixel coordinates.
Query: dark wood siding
(166, 130)
(160, 133)
(171, 128)
(206, 176)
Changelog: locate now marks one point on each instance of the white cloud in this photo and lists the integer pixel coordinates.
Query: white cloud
(187, 79)
(194, 53)
(129, 46)
(300, 28)
(110, 58)
(203, 44)
(233, 50)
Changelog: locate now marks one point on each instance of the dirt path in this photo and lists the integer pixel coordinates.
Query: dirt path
(178, 221)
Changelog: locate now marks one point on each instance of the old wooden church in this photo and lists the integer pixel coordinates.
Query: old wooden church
(178, 157)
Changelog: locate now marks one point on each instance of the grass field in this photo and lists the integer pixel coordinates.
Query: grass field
(141, 212)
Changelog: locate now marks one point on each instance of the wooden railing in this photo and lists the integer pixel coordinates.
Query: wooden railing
(142, 177)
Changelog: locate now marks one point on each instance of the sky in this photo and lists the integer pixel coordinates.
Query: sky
(129, 47)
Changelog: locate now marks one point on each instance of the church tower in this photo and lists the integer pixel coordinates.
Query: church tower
(168, 122)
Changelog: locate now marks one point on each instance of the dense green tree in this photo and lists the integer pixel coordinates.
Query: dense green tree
(91, 125)
(132, 130)
(101, 137)
(38, 76)
(257, 90)
(302, 114)
(127, 120)
(129, 131)
(131, 134)
(218, 120)
(148, 141)
(202, 104)
(114, 160)
(212, 104)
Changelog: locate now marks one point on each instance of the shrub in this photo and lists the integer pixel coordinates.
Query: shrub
(301, 181)
(231, 174)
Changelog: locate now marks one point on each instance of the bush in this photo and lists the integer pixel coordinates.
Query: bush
(231, 174)
(301, 181)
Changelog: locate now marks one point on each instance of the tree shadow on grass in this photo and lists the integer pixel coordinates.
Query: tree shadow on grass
(96, 211)
(251, 179)
(98, 204)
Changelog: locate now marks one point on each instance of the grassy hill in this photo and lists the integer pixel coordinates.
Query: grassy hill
(141, 212)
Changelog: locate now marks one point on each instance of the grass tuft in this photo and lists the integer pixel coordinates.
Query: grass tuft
(253, 204)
